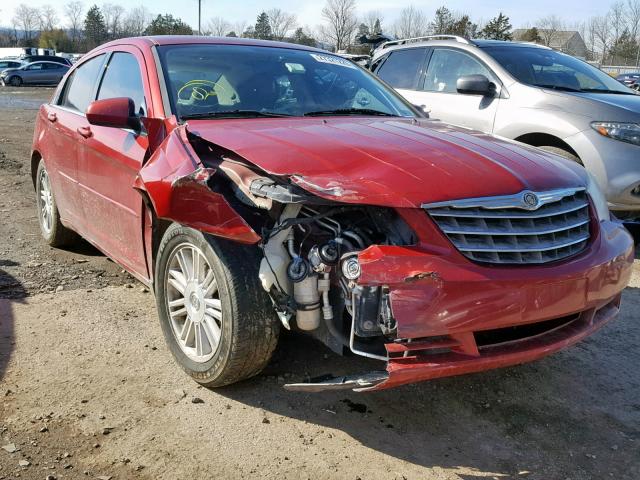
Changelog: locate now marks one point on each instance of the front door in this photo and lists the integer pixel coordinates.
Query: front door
(437, 90)
(109, 163)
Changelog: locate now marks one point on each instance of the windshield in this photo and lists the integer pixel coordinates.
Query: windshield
(550, 69)
(252, 81)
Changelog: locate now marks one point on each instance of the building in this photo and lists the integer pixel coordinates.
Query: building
(566, 41)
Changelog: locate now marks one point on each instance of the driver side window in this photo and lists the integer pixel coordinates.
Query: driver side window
(122, 78)
(446, 66)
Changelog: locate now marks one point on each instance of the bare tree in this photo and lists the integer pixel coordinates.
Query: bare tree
(602, 33)
(411, 23)
(549, 28)
(113, 17)
(73, 11)
(281, 23)
(633, 17)
(589, 38)
(48, 18)
(217, 26)
(28, 19)
(136, 21)
(340, 16)
(239, 27)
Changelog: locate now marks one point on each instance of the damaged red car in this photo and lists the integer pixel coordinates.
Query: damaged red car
(257, 185)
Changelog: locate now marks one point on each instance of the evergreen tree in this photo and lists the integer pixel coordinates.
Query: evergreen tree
(463, 27)
(95, 29)
(262, 29)
(498, 28)
(443, 22)
(531, 35)
(363, 30)
(377, 28)
(625, 50)
(302, 38)
(168, 25)
(232, 34)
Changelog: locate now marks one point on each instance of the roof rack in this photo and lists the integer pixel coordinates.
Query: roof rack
(404, 41)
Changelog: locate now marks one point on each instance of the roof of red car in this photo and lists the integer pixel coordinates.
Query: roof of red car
(192, 39)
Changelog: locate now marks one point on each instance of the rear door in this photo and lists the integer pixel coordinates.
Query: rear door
(437, 90)
(65, 119)
(54, 72)
(109, 163)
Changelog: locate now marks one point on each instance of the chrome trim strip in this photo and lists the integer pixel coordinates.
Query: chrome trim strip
(488, 214)
(515, 249)
(517, 200)
(515, 232)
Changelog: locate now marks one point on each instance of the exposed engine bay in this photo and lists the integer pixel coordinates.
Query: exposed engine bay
(310, 265)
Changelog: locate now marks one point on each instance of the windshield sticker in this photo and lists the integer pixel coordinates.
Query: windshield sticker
(333, 60)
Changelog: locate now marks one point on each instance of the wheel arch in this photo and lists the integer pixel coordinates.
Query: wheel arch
(36, 157)
(538, 139)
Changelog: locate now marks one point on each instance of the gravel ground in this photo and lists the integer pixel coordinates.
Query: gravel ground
(89, 390)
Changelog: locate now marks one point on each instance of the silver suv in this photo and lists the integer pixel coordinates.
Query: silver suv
(528, 93)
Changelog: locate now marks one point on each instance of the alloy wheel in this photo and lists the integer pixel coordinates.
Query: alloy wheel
(45, 202)
(193, 302)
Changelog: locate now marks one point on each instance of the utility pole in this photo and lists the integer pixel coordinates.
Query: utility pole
(199, 17)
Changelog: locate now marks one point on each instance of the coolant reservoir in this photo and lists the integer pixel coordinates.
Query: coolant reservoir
(306, 295)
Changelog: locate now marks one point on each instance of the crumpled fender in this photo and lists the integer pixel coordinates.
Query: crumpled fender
(176, 183)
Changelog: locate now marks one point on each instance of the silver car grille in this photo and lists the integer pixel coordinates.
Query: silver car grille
(526, 228)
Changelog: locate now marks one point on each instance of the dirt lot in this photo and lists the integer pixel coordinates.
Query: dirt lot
(88, 389)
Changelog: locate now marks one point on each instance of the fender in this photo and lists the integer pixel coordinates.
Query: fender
(177, 184)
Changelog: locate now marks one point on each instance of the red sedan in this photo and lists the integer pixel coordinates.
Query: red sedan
(260, 185)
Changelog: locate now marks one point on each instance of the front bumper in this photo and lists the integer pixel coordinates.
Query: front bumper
(442, 302)
(615, 165)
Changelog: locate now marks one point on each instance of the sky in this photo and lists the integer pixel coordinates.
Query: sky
(309, 11)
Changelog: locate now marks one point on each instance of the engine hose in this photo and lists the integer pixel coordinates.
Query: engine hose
(334, 331)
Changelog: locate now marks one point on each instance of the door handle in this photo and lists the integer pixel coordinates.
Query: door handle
(52, 117)
(84, 131)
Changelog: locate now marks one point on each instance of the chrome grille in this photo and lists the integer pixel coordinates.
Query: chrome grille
(509, 230)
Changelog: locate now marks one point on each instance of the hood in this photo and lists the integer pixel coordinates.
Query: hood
(595, 106)
(630, 103)
(389, 162)
(9, 70)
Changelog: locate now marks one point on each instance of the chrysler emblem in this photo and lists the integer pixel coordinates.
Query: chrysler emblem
(530, 199)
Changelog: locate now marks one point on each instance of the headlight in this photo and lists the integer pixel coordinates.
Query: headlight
(625, 132)
(597, 197)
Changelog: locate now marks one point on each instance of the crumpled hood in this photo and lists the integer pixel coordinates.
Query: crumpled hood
(389, 162)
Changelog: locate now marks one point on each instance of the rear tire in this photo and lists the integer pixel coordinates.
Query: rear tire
(561, 152)
(208, 289)
(15, 81)
(52, 229)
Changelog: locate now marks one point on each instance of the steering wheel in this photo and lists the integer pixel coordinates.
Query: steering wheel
(196, 92)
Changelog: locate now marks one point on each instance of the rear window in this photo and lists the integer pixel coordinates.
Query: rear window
(80, 88)
(400, 70)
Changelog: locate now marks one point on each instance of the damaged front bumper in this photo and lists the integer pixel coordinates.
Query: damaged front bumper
(456, 317)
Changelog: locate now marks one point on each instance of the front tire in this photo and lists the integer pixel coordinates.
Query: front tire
(216, 318)
(15, 81)
(52, 229)
(561, 152)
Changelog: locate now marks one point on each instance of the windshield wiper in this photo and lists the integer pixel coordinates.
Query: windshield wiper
(557, 87)
(349, 111)
(603, 90)
(234, 114)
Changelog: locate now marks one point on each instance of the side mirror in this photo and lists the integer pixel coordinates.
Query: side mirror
(114, 112)
(475, 85)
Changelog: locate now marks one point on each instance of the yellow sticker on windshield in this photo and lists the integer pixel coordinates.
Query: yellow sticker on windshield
(342, 62)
